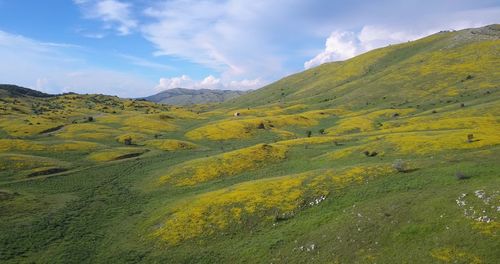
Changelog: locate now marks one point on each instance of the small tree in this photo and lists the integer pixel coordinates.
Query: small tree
(370, 154)
(461, 176)
(308, 133)
(221, 144)
(128, 141)
(90, 119)
(322, 131)
(400, 165)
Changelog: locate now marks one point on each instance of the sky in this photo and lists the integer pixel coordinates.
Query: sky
(135, 48)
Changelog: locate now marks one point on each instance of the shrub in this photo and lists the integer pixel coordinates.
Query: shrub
(261, 126)
(400, 165)
(322, 131)
(470, 138)
(90, 118)
(128, 141)
(461, 176)
(370, 154)
(308, 133)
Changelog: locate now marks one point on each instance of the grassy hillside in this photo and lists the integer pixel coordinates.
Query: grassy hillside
(9, 90)
(389, 157)
(437, 68)
(181, 96)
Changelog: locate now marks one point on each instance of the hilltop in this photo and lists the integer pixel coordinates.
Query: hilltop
(182, 96)
(9, 90)
(422, 72)
(388, 157)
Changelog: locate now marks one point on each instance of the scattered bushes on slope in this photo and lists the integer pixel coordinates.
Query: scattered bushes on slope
(224, 165)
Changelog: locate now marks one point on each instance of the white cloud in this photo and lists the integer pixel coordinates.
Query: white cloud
(60, 67)
(342, 45)
(113, 13)
(209, 82)
(372, 37)
(175, 82)
(248, 39)
(41, 84)
(230, 37)
(94, 35)
(145, 63)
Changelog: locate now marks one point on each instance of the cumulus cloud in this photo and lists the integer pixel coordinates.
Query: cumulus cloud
(209, 82)
(113, 13)
(342, 45)
(250, 39)
(234, 38)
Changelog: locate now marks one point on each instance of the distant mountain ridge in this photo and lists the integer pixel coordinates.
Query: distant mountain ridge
(183, 96)
(176, 96)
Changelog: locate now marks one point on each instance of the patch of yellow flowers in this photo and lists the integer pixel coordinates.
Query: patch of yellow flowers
(265, 200)
(224, 165)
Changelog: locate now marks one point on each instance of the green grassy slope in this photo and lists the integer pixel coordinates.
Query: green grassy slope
(355, 178)
(438, 67)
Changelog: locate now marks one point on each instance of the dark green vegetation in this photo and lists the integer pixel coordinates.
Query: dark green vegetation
(390, 157)
(181, 96)
(9, 90)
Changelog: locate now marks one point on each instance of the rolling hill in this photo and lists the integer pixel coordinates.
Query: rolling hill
(182, 96)
(9, 90)
(388, 157)
(399, 75)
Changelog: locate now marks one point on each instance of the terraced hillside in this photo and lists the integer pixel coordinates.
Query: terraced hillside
(389, 157)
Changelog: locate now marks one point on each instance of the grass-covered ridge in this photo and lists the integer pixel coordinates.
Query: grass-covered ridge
(389, 157)
(398, 75)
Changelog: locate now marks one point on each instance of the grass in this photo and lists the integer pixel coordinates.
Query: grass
(116, 154)
(170, 144)
(224, 165)
(198, 185)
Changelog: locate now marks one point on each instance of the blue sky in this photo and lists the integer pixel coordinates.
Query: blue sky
(136, 48)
